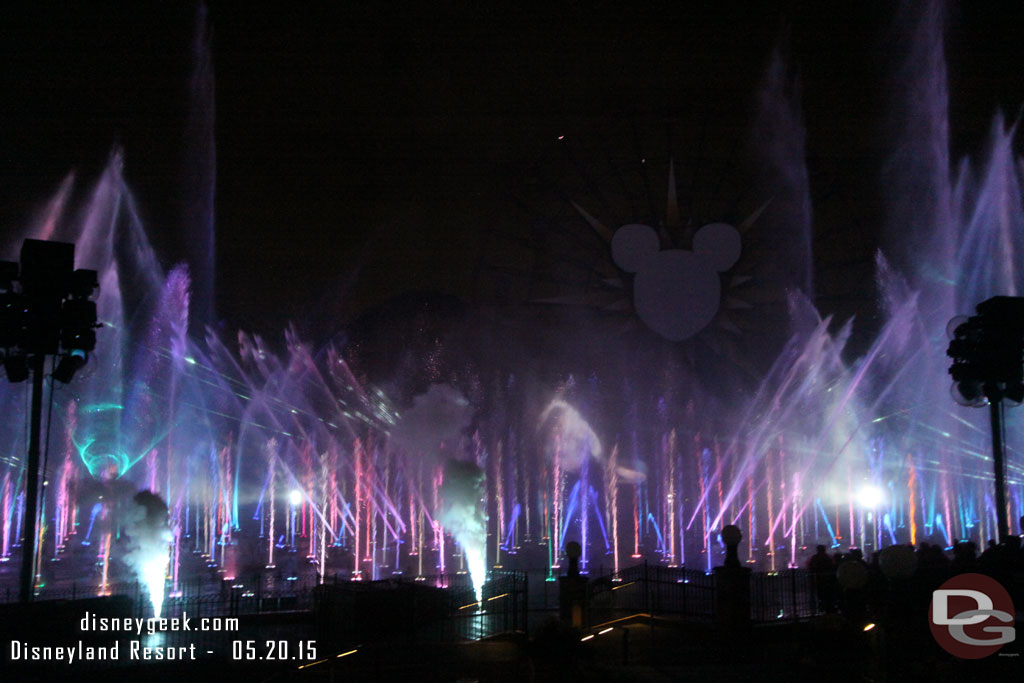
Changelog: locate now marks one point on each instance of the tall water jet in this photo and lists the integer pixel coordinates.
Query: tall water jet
(779, 142)
(785, 457)
(920, 239)
(200, 174)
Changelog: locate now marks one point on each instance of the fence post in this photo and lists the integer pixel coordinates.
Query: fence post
(647, 590)
(526, 603)
(519, 587)
(792, 588)
(732, 584)
(658, 578)
(686, 586)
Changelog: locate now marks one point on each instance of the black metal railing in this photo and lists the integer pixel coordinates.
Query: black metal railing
(786, 595)
(505, 606)
(654, 590)
(199, 595)
(440, 608)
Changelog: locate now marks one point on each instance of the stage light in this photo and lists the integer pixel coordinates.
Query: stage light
(8, 274)
(78, 324)
(46, 268)
(968, 394)
(295, 497)
(83, 283)
(987, 351)
(1013, 394)
(13, 319)
(16, 368)
(69, 365)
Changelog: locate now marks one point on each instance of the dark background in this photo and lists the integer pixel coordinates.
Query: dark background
(367, 151)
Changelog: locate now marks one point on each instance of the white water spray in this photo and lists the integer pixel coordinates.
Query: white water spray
(149, 538)
(462, 515)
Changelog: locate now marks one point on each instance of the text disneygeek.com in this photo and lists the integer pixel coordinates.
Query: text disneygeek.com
(151, 632)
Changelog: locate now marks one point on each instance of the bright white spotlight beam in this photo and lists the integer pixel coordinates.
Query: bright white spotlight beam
(870, 496)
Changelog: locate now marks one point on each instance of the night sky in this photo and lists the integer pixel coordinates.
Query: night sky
(368, 151)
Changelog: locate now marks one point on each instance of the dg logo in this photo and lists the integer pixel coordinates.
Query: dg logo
(971, 616)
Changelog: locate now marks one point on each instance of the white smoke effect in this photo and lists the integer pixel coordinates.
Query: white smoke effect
(436, 421)
(149, 538)
(436, 417)
(462, 515)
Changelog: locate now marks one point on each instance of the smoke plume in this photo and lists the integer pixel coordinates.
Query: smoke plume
(437, 417)
(462, 515)
(149, 536)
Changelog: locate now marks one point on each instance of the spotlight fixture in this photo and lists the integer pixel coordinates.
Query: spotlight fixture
(16, 368)
(44, 310)
(8, 274)
(69, 365)
(13, 319)
(83, 283)
(78, 324)
(988, 368)
(987, 351)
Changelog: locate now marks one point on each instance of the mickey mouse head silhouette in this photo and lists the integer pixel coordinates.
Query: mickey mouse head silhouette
(676, 292)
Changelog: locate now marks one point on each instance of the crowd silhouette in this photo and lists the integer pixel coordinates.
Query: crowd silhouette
(868, 588)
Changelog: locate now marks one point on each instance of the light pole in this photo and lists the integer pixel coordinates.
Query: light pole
(988, 367)
(44, 311)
